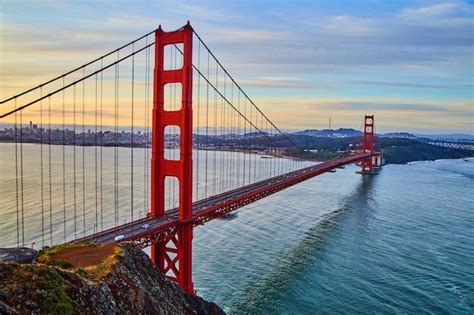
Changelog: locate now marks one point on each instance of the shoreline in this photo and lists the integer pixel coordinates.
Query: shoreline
(269, 155)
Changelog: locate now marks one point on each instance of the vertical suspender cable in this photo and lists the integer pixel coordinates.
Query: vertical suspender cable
(175, 106)
(255, 169)
(264, 167)
(275, 173)
(245, 139)
(15, 129)
(64, 164)
(229, 139)
(116, 143)
(21, 183)
(269, 150)
(268, 168)
(257, 140)
(236, 132)
(197, 123)
(83, 153)
(74, 160)
(230, 131)
(96, 226)
(145, 156)
(147, 108)
(168, 181)
(101, 145)
(272, 153)
(42, 175)
(50, 177)
(235, 147)
(272, 162)
(119, 140)
(207, 127)
(168, 103)
(250, 146)
(215, 132)
(132, 134)
(222, 159)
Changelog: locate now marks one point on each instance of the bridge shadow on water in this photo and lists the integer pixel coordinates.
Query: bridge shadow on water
(265, 293)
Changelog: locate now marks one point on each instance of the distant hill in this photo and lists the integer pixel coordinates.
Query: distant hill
(349, 132)
(396, 150)
(452, 136)
(329, 133)
(400, 135)
(255, 134)
(400, 151)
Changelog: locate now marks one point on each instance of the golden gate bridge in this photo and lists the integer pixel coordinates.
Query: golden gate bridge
(87, 180)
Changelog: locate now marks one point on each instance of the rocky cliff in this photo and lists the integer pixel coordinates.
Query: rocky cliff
(94, 279)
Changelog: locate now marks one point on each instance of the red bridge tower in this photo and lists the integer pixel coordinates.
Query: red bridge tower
(173, 256)
(368, 144)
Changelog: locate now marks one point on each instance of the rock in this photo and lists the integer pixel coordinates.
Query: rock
(18, 255)
(4, 309)
(126, 282)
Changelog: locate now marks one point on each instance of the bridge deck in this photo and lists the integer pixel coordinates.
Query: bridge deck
(161, 228)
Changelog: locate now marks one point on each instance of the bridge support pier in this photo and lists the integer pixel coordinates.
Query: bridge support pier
(368, 147)
(173, 256)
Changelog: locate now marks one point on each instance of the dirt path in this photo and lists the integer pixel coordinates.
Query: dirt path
(84, 256)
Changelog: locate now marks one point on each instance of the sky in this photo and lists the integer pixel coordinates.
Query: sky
(410, 63)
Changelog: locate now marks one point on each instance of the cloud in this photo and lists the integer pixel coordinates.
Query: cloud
(235, 35)
(312, 51)
(308, 42)
(289, 83)
(294, 83)
(398, 85)
(392, 113)
(435, 10)
(404, 108)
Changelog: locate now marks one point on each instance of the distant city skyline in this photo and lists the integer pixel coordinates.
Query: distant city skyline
(408, 62)
(202, 130)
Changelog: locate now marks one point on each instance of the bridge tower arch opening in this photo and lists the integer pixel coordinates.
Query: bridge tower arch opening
(173, 255)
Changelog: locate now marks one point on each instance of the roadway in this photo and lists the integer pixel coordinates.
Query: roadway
(219, 205)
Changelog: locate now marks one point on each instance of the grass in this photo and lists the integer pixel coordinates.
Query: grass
(53, 297)
(59, 263)
(102, 269)
(40, 283)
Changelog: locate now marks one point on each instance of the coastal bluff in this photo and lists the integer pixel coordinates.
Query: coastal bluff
(88, 278)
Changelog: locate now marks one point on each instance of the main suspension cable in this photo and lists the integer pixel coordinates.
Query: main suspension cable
(245, 94)
(75, 82)
(75, 69)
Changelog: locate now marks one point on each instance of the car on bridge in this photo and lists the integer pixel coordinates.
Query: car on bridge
(119, 238)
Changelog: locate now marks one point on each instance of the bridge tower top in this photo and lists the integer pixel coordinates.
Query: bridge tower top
(368, 141)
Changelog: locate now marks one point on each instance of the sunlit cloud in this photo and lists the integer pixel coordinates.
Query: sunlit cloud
(310, 113)
(302, 60)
